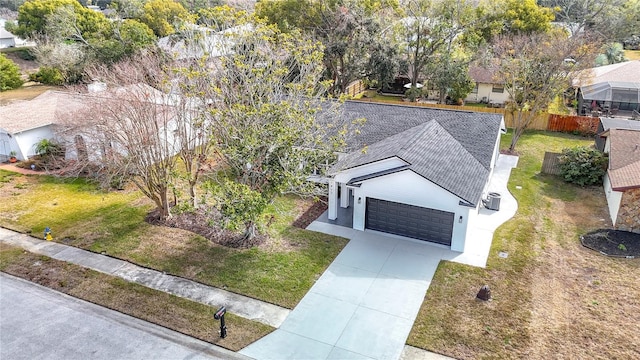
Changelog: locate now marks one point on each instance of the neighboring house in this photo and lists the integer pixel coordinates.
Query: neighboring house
(415, 172)
(488, 89)
(611, 123)
(202, 41)
(7, 39)
(615, 87)
(24, 123)
(55, 115)
(622, 181)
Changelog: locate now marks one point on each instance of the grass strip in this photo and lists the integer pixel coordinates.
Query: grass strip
(182, 315)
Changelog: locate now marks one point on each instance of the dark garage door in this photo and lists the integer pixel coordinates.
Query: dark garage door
(410, 221)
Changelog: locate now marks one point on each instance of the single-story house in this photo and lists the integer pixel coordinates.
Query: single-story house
(24, 123)
(613, 123)
(488, 88)
(615, 87)
(622, 181)
(7, 39)
(415, 172)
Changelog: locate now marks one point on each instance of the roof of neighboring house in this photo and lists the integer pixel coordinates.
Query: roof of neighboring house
(484, 74)
(624, 72)
(206, 41)
(624, 159)
(43, 110)
(54, 107)
(452, 149)
(4, 34)
(609, 123)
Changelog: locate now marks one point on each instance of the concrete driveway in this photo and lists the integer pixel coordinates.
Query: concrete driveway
(365, 303)
(362, 307)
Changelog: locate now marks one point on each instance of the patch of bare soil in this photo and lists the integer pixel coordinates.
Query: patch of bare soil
(203, 222)
(309, 215)
(613, 242)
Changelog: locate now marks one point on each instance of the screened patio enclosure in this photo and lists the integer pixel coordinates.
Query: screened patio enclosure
(610, 95)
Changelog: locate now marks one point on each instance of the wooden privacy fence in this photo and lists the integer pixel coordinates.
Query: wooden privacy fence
(568, 123)
(551, 163)
(355, 88)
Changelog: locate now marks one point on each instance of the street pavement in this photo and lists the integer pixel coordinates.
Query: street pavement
(40, 323)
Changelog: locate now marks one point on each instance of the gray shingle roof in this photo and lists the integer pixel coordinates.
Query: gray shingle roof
(452, 149)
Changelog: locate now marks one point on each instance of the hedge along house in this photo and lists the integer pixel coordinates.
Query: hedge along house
(415, 172)
(622, 181)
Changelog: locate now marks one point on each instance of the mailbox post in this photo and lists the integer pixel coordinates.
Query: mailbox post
(219, 315)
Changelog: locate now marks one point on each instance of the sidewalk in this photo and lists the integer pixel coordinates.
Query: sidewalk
(243, 306)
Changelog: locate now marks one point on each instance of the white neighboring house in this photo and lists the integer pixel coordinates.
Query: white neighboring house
(488, 89)
(8, 40)
(415, 172)
(622, 180)
(24, 123)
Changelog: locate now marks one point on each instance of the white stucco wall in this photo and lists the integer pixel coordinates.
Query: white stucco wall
(25, 141)
(613, 199)
(485, 90)
(410, 188)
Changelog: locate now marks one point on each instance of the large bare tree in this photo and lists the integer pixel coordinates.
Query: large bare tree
(128, 129)
(535, 69)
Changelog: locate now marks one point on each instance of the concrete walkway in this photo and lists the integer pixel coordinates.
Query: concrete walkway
(364, 305)
(237, 304)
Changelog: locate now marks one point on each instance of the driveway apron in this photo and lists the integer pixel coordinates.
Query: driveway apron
(362, 307)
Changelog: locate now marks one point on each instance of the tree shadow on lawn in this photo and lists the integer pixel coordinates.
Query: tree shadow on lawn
(554, 187)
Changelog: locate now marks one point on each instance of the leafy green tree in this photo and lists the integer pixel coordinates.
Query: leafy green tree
(162, 16)
(351, 32)
(223, 17)
(431, 28)
(583, 165)
(9, 74)
(450, 76)
(267, 129)
(516, 17)
(128, 37)
(33, 15)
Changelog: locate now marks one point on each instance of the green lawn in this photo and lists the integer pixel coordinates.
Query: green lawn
(280, 272)
(539, 309)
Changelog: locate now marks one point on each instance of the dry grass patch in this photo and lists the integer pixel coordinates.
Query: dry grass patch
(164, 309)
(24, 93)
(552, 298)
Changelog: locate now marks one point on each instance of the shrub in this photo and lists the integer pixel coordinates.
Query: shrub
(9, 74)
(583, 166)
(48, 75)
(413, 94)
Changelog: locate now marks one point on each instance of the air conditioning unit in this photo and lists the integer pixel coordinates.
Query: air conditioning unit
(493, 201)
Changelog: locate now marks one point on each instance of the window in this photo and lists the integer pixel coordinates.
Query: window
(475, 89)
(497, 89)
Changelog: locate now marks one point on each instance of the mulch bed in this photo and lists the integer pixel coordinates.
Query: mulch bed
(198, 222)
(613, 242)
(311, 214)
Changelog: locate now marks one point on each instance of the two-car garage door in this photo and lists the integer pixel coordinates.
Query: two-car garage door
(410, 221)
